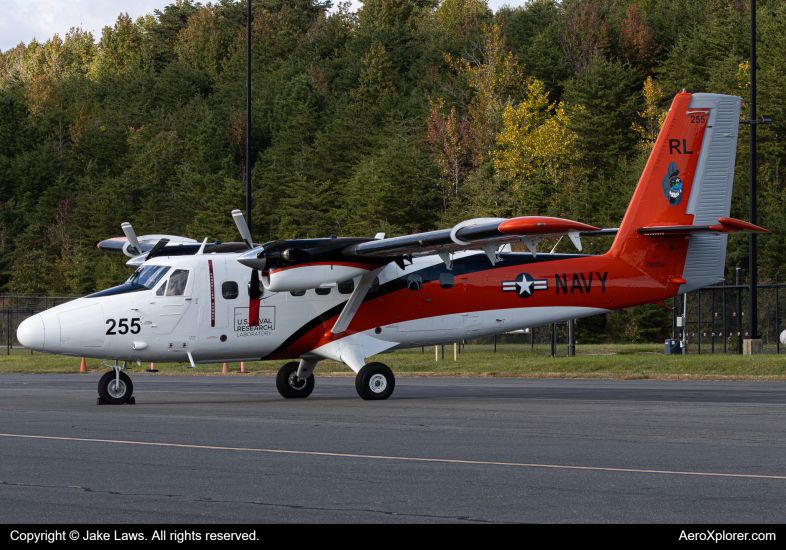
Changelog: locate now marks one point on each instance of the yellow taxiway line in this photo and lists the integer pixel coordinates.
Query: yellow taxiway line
(399, 458)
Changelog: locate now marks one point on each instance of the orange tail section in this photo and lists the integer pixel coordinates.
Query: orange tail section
(685, 186)
(664, 189)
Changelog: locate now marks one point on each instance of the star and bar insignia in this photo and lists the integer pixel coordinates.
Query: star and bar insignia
(525, 285)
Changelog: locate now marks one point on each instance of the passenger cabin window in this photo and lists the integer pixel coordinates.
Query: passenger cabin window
(261, 289)
(414, 281)
(446, 280)
(298, 293)
(229, 290)
(346, 287)
(322, 291)
(177, 283)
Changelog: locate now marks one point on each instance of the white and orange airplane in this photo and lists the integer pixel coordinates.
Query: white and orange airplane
(349, 298)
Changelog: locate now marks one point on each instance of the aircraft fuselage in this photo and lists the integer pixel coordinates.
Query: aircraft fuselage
(204, 309)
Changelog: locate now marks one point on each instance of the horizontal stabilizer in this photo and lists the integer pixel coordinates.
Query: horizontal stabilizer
(724, 225)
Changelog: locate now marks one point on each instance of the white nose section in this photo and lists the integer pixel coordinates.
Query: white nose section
(31, 333)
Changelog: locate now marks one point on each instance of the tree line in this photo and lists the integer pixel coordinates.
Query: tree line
(405, 116)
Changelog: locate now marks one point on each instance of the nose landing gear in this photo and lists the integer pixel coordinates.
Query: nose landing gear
(290, 386)
(115, 388)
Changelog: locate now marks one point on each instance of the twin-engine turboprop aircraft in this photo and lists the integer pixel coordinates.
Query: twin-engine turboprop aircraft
(348, 299)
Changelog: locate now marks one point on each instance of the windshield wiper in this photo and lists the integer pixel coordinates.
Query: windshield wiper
(134, 277)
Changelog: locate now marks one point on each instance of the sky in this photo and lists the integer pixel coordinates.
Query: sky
(23, 20)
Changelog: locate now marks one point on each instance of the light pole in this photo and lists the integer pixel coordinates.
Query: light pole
(248, 122)
(753, 315)
(752, 268)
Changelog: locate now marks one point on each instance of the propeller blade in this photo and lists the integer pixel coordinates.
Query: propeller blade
(158, 246)
(242, 227)
(253, 303)
(131, 236)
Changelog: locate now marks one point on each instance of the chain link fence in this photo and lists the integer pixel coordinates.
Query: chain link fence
(717, 321)
(15, 309)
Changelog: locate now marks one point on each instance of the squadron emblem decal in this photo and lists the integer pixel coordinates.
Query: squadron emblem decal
(525, 285)
(672, 185)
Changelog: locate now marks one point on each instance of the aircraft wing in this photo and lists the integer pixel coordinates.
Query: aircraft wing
(485, 233)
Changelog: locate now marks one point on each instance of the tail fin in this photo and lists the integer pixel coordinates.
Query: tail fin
(687, 182)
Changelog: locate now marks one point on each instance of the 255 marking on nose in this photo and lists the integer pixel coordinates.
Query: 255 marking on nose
(122, 326)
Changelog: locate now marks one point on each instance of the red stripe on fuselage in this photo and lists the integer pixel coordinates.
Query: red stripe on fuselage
(588, 281)
(212, 294)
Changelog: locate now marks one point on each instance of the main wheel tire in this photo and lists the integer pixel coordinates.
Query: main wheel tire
(115, 395)
(288, 385)
(375, 381)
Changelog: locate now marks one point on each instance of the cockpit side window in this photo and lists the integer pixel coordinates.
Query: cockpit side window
(161, 290)
(177, 283)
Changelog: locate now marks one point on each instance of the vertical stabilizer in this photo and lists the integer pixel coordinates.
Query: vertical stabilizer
(687, 181)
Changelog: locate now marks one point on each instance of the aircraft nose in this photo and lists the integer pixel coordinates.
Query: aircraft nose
(31, 333)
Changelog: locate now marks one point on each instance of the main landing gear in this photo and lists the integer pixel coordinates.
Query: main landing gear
(115, 387)
(375, 381)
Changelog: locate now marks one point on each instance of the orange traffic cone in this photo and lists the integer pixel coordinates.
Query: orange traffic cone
(242, 367)
(83, 366)
(152, 367)
(225, 370)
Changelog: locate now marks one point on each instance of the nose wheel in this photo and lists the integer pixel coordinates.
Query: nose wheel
(115, 388)
(290, 386)
(375, 381)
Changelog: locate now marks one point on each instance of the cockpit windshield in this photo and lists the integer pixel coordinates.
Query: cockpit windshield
(148, 275)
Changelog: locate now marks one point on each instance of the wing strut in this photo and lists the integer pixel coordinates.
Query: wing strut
(355, 299)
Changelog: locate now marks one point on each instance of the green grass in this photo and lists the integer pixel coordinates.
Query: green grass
(593, 361)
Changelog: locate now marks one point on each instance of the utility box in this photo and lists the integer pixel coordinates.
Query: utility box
(673, 347)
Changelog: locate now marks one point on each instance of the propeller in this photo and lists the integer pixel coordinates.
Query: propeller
(253, 299)
(158, 246)
(258, 263)
(242, 227)
(134, 247)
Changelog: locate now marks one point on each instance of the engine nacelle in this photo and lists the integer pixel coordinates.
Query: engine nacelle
(313, 275)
